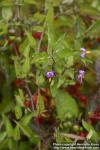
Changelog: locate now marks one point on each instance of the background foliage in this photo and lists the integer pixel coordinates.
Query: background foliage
(37, 37)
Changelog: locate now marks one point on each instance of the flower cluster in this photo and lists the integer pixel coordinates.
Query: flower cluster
(81, 76)
(83, 54)
(50, 74)
(82, 72)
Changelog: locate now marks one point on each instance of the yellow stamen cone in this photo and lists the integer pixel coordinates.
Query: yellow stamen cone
(88, 52)
(49, 79)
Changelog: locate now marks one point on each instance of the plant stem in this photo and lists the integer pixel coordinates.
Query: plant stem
(30, 94)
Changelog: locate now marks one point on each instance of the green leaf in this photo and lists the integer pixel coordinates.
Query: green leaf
(20, 97)
(50, 15)
(26, 66)
(62, 48)
(61, 139)
(70, 73)
(24, 145)
(6, 13)
(18, 112)
(17, 67)
(40, 79)
(39, 17)
(53, 88)
(65, 103)
(60, 81)
(87, 126)
(4, 144)
(8, 125)
(26, 118)
(92, 133)
(3, 27)
(51, 39)
(26, 130)
(16, 133)
(31, 40)
(26, 51)
(25, 48)
(39, 58)
(70, 61)
(2, 136)
(11, 144)
(59, 44)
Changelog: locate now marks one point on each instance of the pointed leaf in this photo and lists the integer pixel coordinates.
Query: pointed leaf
(31, 39)
(18, 112)
(70, 61)
(27, 118)
(26, 130)
(6, 13)
(16, 133)
(26, 66)
(8, 125)
(3, 136)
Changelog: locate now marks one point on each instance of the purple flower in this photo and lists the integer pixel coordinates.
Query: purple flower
(50, 74)
(81, 76)
(83, 49)
(83, 54)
